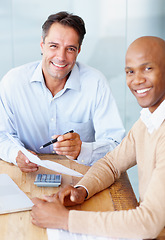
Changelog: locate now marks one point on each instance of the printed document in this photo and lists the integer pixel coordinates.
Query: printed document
(58, 234)
(45, 163)
(12, 198)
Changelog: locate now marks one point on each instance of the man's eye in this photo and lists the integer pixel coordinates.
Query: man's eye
(53, 46)
(71, 49)
(148, 68)
(129, 72)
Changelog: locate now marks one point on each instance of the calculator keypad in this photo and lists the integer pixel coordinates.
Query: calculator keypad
(48, 180)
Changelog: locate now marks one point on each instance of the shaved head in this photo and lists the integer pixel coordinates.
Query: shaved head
(148, 40)
(154, 46)
(145, 71)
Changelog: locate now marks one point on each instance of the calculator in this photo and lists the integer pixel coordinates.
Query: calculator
(48, 180)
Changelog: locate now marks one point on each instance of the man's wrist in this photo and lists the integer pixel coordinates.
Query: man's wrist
(84, 190)
(65, 227)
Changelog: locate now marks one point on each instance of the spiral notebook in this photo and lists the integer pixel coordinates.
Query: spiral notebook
(12, 198)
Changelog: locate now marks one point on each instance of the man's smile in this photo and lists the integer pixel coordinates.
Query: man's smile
(144, 90)
(59, 65)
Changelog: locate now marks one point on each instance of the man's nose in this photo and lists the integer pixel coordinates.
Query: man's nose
(139, 78)
(61, 54)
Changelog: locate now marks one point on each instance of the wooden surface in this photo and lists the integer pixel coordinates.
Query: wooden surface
(18, 225)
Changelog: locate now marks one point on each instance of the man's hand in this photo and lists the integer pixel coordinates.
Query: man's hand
(68, 196)
(24, 164)
(49, 214)
(68, 144)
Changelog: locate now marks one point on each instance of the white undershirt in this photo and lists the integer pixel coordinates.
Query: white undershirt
(155, 119)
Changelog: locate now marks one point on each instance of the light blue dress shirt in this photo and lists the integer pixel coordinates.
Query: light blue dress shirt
(30, 113)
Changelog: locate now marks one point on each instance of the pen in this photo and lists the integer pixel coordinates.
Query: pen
(53, 140)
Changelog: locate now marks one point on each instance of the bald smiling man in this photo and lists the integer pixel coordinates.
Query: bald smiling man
(144, 145)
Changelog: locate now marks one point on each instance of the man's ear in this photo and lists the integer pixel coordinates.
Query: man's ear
(79, 50)
(41, 44)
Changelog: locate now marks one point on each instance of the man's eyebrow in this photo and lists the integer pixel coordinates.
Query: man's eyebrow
(127, 67)
(52, 43)
(141, 65)
(146, 63)
(73, 46)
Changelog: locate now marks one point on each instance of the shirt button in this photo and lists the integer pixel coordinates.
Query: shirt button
(53, 151)
(82, 161)
(52, 119)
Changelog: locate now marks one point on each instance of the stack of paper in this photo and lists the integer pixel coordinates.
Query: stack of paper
(58, 234)
(12, 199)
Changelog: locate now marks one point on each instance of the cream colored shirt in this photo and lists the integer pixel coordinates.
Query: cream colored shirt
(147, 150)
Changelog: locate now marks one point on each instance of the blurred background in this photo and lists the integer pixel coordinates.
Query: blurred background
(111, 26)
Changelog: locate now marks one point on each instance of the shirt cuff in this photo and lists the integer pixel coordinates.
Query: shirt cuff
(77, 186)
(85, 155)
(12, 156)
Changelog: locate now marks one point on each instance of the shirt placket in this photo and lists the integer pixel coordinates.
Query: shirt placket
(52, 121)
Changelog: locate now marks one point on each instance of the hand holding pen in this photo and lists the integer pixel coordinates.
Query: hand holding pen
(53, 140)
(68, 144)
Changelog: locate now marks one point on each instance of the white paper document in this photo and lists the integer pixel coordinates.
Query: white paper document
(45, 163)
(12, 198)
(58, 234)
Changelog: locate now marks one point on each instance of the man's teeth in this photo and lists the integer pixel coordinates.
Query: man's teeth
(143, 90)
(57, 65)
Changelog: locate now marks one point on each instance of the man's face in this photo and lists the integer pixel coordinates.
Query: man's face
(60, 51)
(145, 73)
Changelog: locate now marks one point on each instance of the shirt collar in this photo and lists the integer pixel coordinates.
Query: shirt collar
(155, 119)
(37, 75)
(73, 82)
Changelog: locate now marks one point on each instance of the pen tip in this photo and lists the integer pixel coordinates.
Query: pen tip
(41, 147)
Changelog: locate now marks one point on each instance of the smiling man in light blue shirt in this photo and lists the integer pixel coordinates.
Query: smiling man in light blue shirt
(58, 94)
